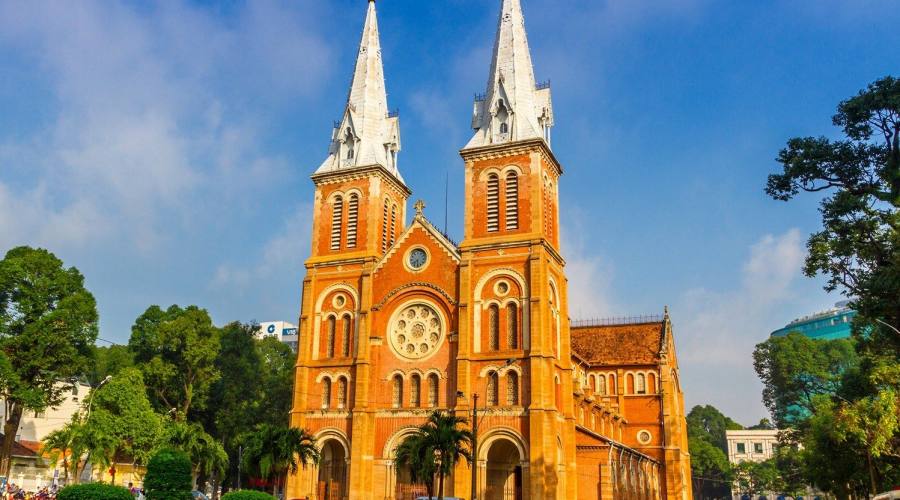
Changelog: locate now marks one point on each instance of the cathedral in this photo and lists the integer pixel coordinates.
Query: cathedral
(398, 320)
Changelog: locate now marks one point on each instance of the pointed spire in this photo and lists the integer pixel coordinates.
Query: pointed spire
(514, 107)
(367, 134)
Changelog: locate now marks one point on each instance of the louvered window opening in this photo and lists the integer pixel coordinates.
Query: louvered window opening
(493, 203)
(433, 390)
(342, 393)
(345, 337)
(398, 392)
(329, 351)
(415, 391)
(393, 224)
(384, 228)
(512, 389)
(512, 326)
(493, 328)
(352, 217)
(337, 213)
(512, 201)
(326, 393)
(492, 389)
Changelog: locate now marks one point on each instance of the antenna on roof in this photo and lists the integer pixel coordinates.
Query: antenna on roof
(446, 192)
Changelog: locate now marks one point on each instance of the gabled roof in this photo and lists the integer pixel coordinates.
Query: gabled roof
(366, 126)
(629, 344)
(419, 221)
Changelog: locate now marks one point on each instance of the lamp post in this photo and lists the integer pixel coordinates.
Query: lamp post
(475, 446)
(91, 396)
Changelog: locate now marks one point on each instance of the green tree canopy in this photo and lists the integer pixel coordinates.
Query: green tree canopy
(176, 349)
(271, 451)
(277, 385)
(709, 424)
(710, 469)
(107, 361)
(48, 323)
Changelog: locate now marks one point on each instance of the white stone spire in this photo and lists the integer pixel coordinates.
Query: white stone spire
(368, 134)
(514, 108)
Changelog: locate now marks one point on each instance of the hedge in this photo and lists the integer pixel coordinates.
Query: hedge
(94, 491)
(168, 476)
(247, 495)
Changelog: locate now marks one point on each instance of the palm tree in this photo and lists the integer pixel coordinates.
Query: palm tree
(273, 451)
(414, 456)
(56, 445)
(436, 447)
(207, 454)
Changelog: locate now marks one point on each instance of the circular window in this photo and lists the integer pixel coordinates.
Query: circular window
(417, 259)
(416, 331)
(501, 288)
(339, 301)
(644, 437)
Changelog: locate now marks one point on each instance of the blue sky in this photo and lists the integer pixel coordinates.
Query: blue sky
(164, 148)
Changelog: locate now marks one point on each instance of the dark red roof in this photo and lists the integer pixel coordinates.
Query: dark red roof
(637, 344)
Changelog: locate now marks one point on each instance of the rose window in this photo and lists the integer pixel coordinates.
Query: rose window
(416, 331)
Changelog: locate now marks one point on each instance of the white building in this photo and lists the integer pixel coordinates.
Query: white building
(284, 331)
(755, 446)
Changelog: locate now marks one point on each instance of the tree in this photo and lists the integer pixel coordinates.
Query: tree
(58, 445)
(795, 368)
(756, 478)
(277, 372)
(436, 447)
(206, 454)
(271, 451)
(176, 350)
(168, 476)
(709, 424)
(710, 469)
(108, 361)
(857, 249)
(48, 322)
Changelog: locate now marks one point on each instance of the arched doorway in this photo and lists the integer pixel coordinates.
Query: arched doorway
(503, 471)
(333, 471)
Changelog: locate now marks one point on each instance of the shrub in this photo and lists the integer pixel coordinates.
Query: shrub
(168, 476)
(94, 491)
(247, 495)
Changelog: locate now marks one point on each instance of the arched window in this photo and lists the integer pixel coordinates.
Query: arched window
(512, 388)
(492, 389)
(601, 385)
(337, 215)
(352, 216)
(415, 391)
(326, 393)
(558, 393)
(512, 326)
(512, 201)
(640, 385)
(433, 384)
(503, 116)
(398, 391)
(329, 353)
(342, 393)
(393, 224)
(493, 327)
(504, 128)
(384, 227)
(493, 203)
(345, 336)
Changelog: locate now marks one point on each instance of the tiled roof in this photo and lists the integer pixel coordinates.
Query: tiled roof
(634, 344)
(25, 448)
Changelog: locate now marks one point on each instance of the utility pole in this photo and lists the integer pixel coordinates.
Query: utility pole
(474, 446)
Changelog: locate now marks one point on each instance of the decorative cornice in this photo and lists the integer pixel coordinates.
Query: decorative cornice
(341, 175)
(416, 284)
(502, 150)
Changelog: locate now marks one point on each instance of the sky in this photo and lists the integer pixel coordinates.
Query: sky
(164, 148)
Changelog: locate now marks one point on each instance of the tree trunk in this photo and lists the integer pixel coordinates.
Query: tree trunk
(441, 486)
(10, 429)
(873, 482)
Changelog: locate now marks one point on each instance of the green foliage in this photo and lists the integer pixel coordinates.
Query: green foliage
(272, 451)
(437, 446)
(168, 476)
(247, 495)
(795, 368)
(94, 491)
(207, 454)
(753, 478)
(49, 321)
(176, 350)
(108, 361)
(277, 372)
(848, 425)
(710, 469)
(709, 424)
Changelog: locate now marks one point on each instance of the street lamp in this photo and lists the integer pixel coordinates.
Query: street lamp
(91, 396)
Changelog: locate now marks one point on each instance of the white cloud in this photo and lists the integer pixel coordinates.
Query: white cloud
(717, 330)
(590, 275)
